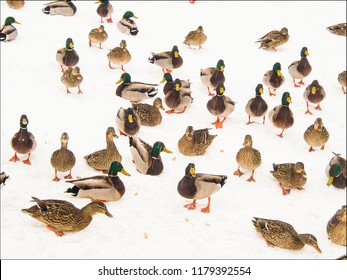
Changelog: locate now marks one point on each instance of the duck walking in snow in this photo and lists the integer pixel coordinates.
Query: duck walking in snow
(256, 106)
(339, 29)
(336, 227)
(127, 121)
(60, 7)
(104, 10)
(126, 25)
(316, 135)
(274, 39)
(67, 57)
(72, 78)
(168, 60)
(170, 84)
(211, 77)
(8, 32)
(149, 114)
(195, 38)
(300, 69)
(178, 98)
(274, 79)
(119, 55)
(314, 93)
(97, 36)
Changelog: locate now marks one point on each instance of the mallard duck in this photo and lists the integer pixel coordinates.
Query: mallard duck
(314, 93)
(248, 158)
(220, 106)
(3, 178)
(127, 121)
(15, 4)
(336, 171)
(135, 91)
(195, 142)
(97, 36)
(281, 116)
(274, 39)
(119, 55)
(301, 68)
(336, 227)
(167, 60)
(178, 98)
(290, 176)
(195, 38)
(169, 85)
(60, 215)
(102, 159)
(281, 234)
(23, 142)
(316, 135)
(256, 106)
(273, 79)
(72, 78)
(100, 188)
(127, 25)
(67, 57)
(342, 79)
(146, 157)
(211, 77)
(8, 32)
(149, 115)
(105, 10)
(60, 7)
(199, 186)
(338, 29)
(63, 159)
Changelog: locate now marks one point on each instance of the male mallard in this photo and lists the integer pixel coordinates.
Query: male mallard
(15, 4)
(149, 115)
(220, 106)
(63, 159)
(146, 157)
(100, 188)
(135, 91)
(274, 39)
(102, 159)
(256, 106)
(169, 85)
(316, 135)
(301, 68)
(23, 142)
(211, 77)
(336, 171)
(248, 158)
(290, 176)
(195, 38)
(97, 36)
(119, 55)
(281, 116)
(199, 186)
(314, 93)
(8, 32)
(72, 78)
(127, 25)
(273, 79)
(195, 142)
(178, 98)
(280, 234)
(67, 57)
(336, 227)
(60, 7)
(105, 10)
(342, 79)
(3, 178)
(167, 60)
(127, 121)
(338, 29)
(60, 215)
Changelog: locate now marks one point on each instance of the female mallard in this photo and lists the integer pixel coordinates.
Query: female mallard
(273, 79)
(15, 4)
(3, 178)
(60, 215)
(135, 91)
(146, 157)
(280, 234)
(195, 38)
(281, 116)
(23, 142)
(316, 135)
(220, 106)
(105, 10)
(256, 106)
(199, 186)
(336, 171)
(67, 57)
(149, 115)
(167, 60)
(274, 39)
(338, 29)
(63, 160)
(97, 36)
(72, 78)
(100, 188)
(211, 77)
(314, 93)
(127, 121)
(60, 7)
(195, 142)
(301, 68)
(290, 176)
(126, 25)
(342, 79)
(178, 98)
(248, 158)
(102, 159)
(8, 32)
(119, 55)
(169, 85)
(336, 227)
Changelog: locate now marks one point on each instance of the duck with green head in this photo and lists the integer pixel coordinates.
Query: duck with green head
(127, 121)
(60, 7)
(336, 171)
(168, 60)
(67, 57)
(169, 85)
(178, 98)
(256, 106)
(273, 79)
(314, 93)
(300, 69)
(211, 77)
(126, 25)
(105, 10)
(8, 32)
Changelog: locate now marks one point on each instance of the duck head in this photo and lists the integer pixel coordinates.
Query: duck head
(334, 171)
(277, 69)
(125, 78)
(259, 90)
(129, 14)
(304, 52)
(159, 147)
(314, 87)
(23, 121)
(318, 124)
(10, 20)
(69, 44)
(116, 167)
(220, 65)
(286, 99)
(175, 51)
(220, 89)
(167, 78)
(190, 170)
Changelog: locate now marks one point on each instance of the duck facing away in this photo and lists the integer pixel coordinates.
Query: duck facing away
(274, 79)
(314, 93)
(63, 8)
(170, 84)
(149, 114)
(342, 79)
(178, 98)
(72, 78)
(67, 57)
(126, 25)
(97, 36)
(62, 216)
(195, 38)
(338, 29)
(256, 106)
(168, 60)
(274, 39)
(300, 69)
(316, 135)
(15, 4)
(211, 77)
(119, 55)
(8, 32)
(127, 121)
(104, 10)
(336, 172)
(336, 227)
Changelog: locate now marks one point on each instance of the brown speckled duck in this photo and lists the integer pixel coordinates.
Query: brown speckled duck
(314, 93)
(67, 57)
(338, 29)
(256, 106)
(316, 135)
(336, 172)
(336, 227)
(105, 10)
(300, 69)
(178, 98)
(119, 55)
(149, 114)
(97, 36)
(342, 79)
(72, 78)
(15, 4)
(273, 79)
(274, 39)
(127, 121)
(195, 38)
(168, 60)
(211, 77)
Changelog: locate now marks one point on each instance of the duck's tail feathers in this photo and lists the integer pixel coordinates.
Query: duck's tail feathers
(151, 59)
(3, 37)
(46, 10)
(74, 190)
(153, 93)
(134, 31)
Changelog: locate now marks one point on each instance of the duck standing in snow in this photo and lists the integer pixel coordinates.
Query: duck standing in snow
(300, 69)
(8, 32)
(195, 38)
(105, 10)
(169, 85)
(67, 57)
(126, 25)
(97, 36)
(336, 227)
(339, 29)
(119, 55)
(316, 135)
(127, 121)
(314, 93)
(168, 60)
(211, 77)
(177, 99)
(72, 78)
(274, 39)
(60, 7)
(256, 106)
(273, 79)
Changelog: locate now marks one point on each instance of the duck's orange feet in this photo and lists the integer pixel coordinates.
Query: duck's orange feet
(56, 179)
(295, 84)
(264, 120)
(322, 148)
(109, 20)
(99, 200)
(238, 172)
(220, 123)
(301, 82)
(168, 70)
(281, 134)
(207, 208)
(272, 93)
(100, 46)
(216, 123)
(57, 233)
(121, 67)
(14, 158)
(251, 179)
(79, 90)
(170, 111)
(284, 191)
(311, 149)
(184, 109)
(109, 65)
(90, 43)
(191, 206)
(67, 90)
(68, 176)
(249, 120)
(308, 112)
(318, 107)
(27, 161)
(122, 133)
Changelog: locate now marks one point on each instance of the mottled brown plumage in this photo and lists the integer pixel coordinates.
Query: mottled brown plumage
(15, 4)
(119, 55)
(274, 39)
(316, 135)
(97, 36)
(72, 78)
(342, 79)
(338, 29)
(336, 227)
(195, 38)
(149, 114)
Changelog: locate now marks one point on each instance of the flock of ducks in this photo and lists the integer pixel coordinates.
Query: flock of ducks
(61, 216)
